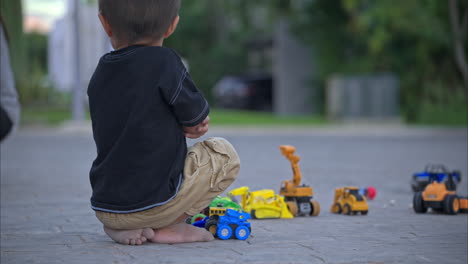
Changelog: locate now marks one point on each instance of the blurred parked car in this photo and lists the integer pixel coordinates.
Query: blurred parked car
(249, 92)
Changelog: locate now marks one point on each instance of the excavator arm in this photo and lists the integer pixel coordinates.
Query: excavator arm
(288, 152)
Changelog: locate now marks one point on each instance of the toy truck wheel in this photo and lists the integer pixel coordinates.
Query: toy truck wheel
(418, 203)
(211, 225)
(336, 208)
(315, 208)
(364, 212)
(197, 217)
(224, 232)
(242, 232)
(347, 209)
(292, 206)
(451, 204)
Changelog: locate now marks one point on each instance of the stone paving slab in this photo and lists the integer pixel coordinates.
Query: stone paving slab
(45, 215)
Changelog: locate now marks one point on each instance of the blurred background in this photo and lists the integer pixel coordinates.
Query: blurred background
(265, 61)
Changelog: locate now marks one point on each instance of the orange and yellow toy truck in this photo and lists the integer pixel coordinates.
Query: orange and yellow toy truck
(439, 196)
(349, 201)
(297, 197)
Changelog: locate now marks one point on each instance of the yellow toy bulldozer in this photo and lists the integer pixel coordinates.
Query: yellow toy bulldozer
(262, 203)
(297, 197)
(349, 201)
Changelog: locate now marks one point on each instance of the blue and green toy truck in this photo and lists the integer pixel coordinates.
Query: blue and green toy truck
(227, 223)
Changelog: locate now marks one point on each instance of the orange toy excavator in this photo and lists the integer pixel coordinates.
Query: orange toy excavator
(297, 197)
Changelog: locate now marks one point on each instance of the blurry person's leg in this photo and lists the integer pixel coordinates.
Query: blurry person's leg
(5, 124)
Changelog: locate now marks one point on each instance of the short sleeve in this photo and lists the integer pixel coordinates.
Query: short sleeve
(188, 103)
(176, 85)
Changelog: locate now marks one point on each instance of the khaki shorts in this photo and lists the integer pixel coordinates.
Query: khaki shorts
(210, 167)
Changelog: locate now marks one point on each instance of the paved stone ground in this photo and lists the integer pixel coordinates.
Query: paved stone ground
(46, 218)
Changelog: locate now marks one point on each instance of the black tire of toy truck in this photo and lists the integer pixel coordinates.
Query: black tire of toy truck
(364, 212)
(212, 226)
(337, 208)
(292, 206)
(451, 204)
(315, 208)
(233, 227)
(418, 203)
(347, 209)
(253, 214)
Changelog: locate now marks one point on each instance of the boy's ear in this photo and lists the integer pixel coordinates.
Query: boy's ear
(172, 27)
(105, 25)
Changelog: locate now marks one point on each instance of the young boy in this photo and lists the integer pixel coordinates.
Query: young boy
(143, 104)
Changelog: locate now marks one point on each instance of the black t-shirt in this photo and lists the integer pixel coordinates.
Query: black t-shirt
(139, 99)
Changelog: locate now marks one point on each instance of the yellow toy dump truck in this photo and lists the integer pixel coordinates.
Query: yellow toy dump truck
(262, 203)
(349, 201)
(297, 197)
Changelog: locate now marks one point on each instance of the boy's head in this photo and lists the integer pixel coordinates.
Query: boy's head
(130, 21)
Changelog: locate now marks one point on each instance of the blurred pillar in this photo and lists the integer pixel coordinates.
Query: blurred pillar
(78, 111)
(293, 68)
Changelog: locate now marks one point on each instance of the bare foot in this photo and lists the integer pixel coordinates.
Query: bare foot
(130, 237)
(181, 233)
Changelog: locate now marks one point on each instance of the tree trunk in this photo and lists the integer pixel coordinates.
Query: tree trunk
(459, 28)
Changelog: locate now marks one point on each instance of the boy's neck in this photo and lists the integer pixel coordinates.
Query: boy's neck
(154, 43)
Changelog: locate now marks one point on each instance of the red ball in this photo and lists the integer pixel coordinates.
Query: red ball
(371, 192)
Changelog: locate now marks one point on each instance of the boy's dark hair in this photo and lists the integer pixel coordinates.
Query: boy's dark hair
(134, 20)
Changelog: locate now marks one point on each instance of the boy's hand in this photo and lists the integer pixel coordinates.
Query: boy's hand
(198, 130)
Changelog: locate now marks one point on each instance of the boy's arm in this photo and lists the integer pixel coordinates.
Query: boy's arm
(187, 103)
(198, 130)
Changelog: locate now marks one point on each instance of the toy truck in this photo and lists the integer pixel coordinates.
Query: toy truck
(420, 180)
(262, 203)
(349, 201)
(298, 197)
(439, 196)
(217, 202)
(227, 223)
